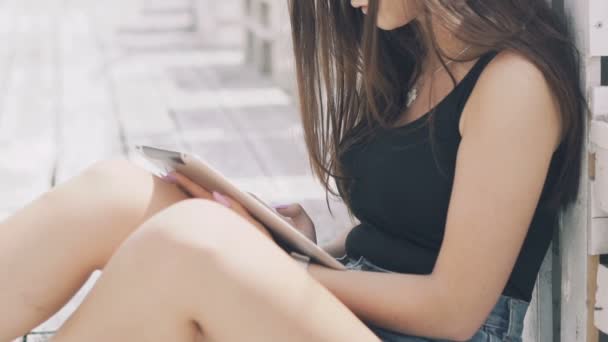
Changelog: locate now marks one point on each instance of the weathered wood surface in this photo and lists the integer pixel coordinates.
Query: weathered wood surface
(29, 103)
(76, 87)
(268, 40)
(538, 325)
(578, 270)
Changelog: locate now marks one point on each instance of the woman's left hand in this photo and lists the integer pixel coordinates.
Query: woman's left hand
(198, 191)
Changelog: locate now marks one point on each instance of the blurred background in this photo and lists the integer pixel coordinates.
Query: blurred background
(84, 80)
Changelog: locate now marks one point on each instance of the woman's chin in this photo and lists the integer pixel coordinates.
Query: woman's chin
(388, 26)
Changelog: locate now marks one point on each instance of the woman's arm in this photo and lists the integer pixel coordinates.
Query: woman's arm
(511, 130)
(400, 302)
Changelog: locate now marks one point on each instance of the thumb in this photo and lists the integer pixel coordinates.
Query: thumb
(289, 210)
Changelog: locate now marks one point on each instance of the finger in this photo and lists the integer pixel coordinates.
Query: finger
(290, 210)
(303, 221)
(297, 214)
(229, 202)
(191, 187)
(221, 199)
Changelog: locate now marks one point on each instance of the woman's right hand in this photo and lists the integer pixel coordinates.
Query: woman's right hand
(299, 219)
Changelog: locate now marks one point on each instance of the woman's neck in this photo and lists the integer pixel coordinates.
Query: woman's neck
(445, 42)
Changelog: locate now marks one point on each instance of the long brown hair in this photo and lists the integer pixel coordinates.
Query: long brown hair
(353, 77)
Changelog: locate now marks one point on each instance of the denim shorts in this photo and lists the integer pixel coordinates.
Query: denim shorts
(505, 322)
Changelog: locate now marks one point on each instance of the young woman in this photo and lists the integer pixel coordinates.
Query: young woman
(453, 131)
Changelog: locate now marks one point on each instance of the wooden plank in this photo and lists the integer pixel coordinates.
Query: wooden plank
(574, 273)
(575, 318)
(237, 98)
(142, 107)
(166, 3)
(600, 184)
(158, 42)
(538, 324)
(598, 233)
(556, 271)
(599, 100)
(598, 27)
(598, 134)
(224, 27)
(89, 129)
(592, 287)
(7, 49)
(598, 239)
(208, 133)
(171, 21)
(601, 299)
(268, 41)
(27, 124)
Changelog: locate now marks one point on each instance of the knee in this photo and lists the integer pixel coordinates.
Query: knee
(110, 173)
(112, 167)
(116, 186)
(196, 242)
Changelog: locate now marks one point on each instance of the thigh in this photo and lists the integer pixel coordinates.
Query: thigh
(261, 294)
(198, 262)
(49, 247)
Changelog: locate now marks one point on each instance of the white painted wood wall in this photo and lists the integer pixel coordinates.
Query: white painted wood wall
(217, 21)
(593, 33)
(541, 322)
(268, 40)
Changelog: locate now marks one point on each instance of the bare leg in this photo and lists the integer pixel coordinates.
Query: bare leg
(198, 269)
(50, 247)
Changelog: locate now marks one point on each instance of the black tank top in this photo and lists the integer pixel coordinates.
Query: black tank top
(400, 191)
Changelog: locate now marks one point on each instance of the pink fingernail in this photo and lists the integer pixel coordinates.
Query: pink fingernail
(169, 178)
(221, 199)
(282, 206)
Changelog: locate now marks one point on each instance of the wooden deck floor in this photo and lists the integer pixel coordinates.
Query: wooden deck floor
(76, 87)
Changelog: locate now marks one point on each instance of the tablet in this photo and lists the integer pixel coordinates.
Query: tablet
(203, 174)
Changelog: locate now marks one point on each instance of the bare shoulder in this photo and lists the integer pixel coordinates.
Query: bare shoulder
(512, 91)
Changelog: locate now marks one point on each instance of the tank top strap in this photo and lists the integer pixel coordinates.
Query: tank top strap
(469, 81)
(451, 109)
